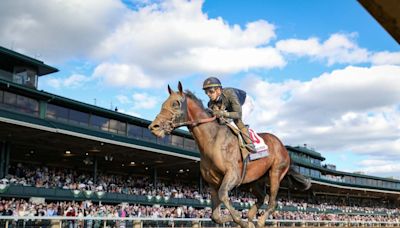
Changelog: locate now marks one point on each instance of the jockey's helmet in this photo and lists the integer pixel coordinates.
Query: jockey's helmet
(211, 82)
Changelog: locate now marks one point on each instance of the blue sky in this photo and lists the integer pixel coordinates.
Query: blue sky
(321, 73)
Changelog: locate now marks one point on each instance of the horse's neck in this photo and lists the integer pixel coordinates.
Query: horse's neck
(205, 132)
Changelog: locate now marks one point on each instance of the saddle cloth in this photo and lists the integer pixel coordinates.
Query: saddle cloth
(260, 145)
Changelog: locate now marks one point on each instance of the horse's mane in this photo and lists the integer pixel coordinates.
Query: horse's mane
(191, 95)
(199, 102)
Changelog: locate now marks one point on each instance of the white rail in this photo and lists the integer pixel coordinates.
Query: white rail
(139, 222)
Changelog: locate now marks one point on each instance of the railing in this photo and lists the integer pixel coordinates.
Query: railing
(139, 222)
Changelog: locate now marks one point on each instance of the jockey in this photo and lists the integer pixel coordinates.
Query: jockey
(227, 102)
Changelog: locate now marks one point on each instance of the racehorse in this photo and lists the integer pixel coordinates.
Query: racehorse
(221, 162)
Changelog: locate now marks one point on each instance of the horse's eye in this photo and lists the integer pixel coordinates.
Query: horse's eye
(176, 104)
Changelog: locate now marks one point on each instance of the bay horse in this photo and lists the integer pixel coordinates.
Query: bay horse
(221, 162)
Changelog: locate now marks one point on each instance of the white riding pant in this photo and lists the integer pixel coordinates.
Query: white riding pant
(247, 108)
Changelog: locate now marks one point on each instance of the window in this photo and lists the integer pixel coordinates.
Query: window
(148, 135)
(19, 103)
(28, 105)
(10, 98)
(164, 140)
(363, 181)
(385, 184)
(189, 144)
(315, 173)
(135, 131)
(121, 128)
(304, 171)
(79, 118)
(177, 140)
(57, 112)
(25, 76)
(117, 127)
(6, 74)
(99, 122)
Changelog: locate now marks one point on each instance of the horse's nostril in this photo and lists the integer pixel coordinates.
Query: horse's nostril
(155, 126)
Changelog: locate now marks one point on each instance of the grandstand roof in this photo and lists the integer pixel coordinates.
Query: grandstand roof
(55, 99)
(308, 151)
(387, 13)
(14, 58)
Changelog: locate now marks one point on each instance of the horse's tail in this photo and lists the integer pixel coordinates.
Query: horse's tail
(297, 180)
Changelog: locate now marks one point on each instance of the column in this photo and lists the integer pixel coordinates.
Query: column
(7, 153)
(94, 169)
(155, 177)
(2, 159)
(200, 184)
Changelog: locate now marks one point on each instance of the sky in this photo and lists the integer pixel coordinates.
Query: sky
(321, 73)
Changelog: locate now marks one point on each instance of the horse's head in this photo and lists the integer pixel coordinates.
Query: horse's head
(173, 112)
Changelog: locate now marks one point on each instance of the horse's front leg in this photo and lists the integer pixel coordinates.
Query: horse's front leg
(216, 208)
(230, 180)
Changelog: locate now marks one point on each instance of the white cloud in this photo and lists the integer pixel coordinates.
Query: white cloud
(144, 101)
(57, 30)
(129, 112)
(354, 109)
(385, 57)
(138, 101)
(338, 48)
(73, 81)
(385, 167)
(123, 75)
(176, 38)
(137, 47)
(123, 99)
(154, 41)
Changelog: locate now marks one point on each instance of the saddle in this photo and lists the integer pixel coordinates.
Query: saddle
(261, 147)
(242, 144)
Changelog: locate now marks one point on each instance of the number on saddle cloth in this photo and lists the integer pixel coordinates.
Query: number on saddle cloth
(259, 144)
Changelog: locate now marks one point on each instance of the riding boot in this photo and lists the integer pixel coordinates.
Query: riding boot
(246, 137)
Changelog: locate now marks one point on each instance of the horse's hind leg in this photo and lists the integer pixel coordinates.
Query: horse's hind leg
(257, 189)
(274, 187)
(216, 209)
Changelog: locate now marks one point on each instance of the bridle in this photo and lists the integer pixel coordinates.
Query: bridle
(184, 116)
(181, 119)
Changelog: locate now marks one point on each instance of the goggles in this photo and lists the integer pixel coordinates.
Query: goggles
(210, 91)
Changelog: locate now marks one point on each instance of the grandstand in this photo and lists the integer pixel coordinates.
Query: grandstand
(58, 153)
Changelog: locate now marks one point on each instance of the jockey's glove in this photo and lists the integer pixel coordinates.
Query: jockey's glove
(220, 113)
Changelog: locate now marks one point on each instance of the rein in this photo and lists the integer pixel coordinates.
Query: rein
(193, 123)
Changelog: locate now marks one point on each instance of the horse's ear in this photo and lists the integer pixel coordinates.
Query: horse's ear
(180, 88)
(170, 90)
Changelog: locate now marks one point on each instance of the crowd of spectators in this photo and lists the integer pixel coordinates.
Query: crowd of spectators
(19, 174)
(72, 179)
(21, 207)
